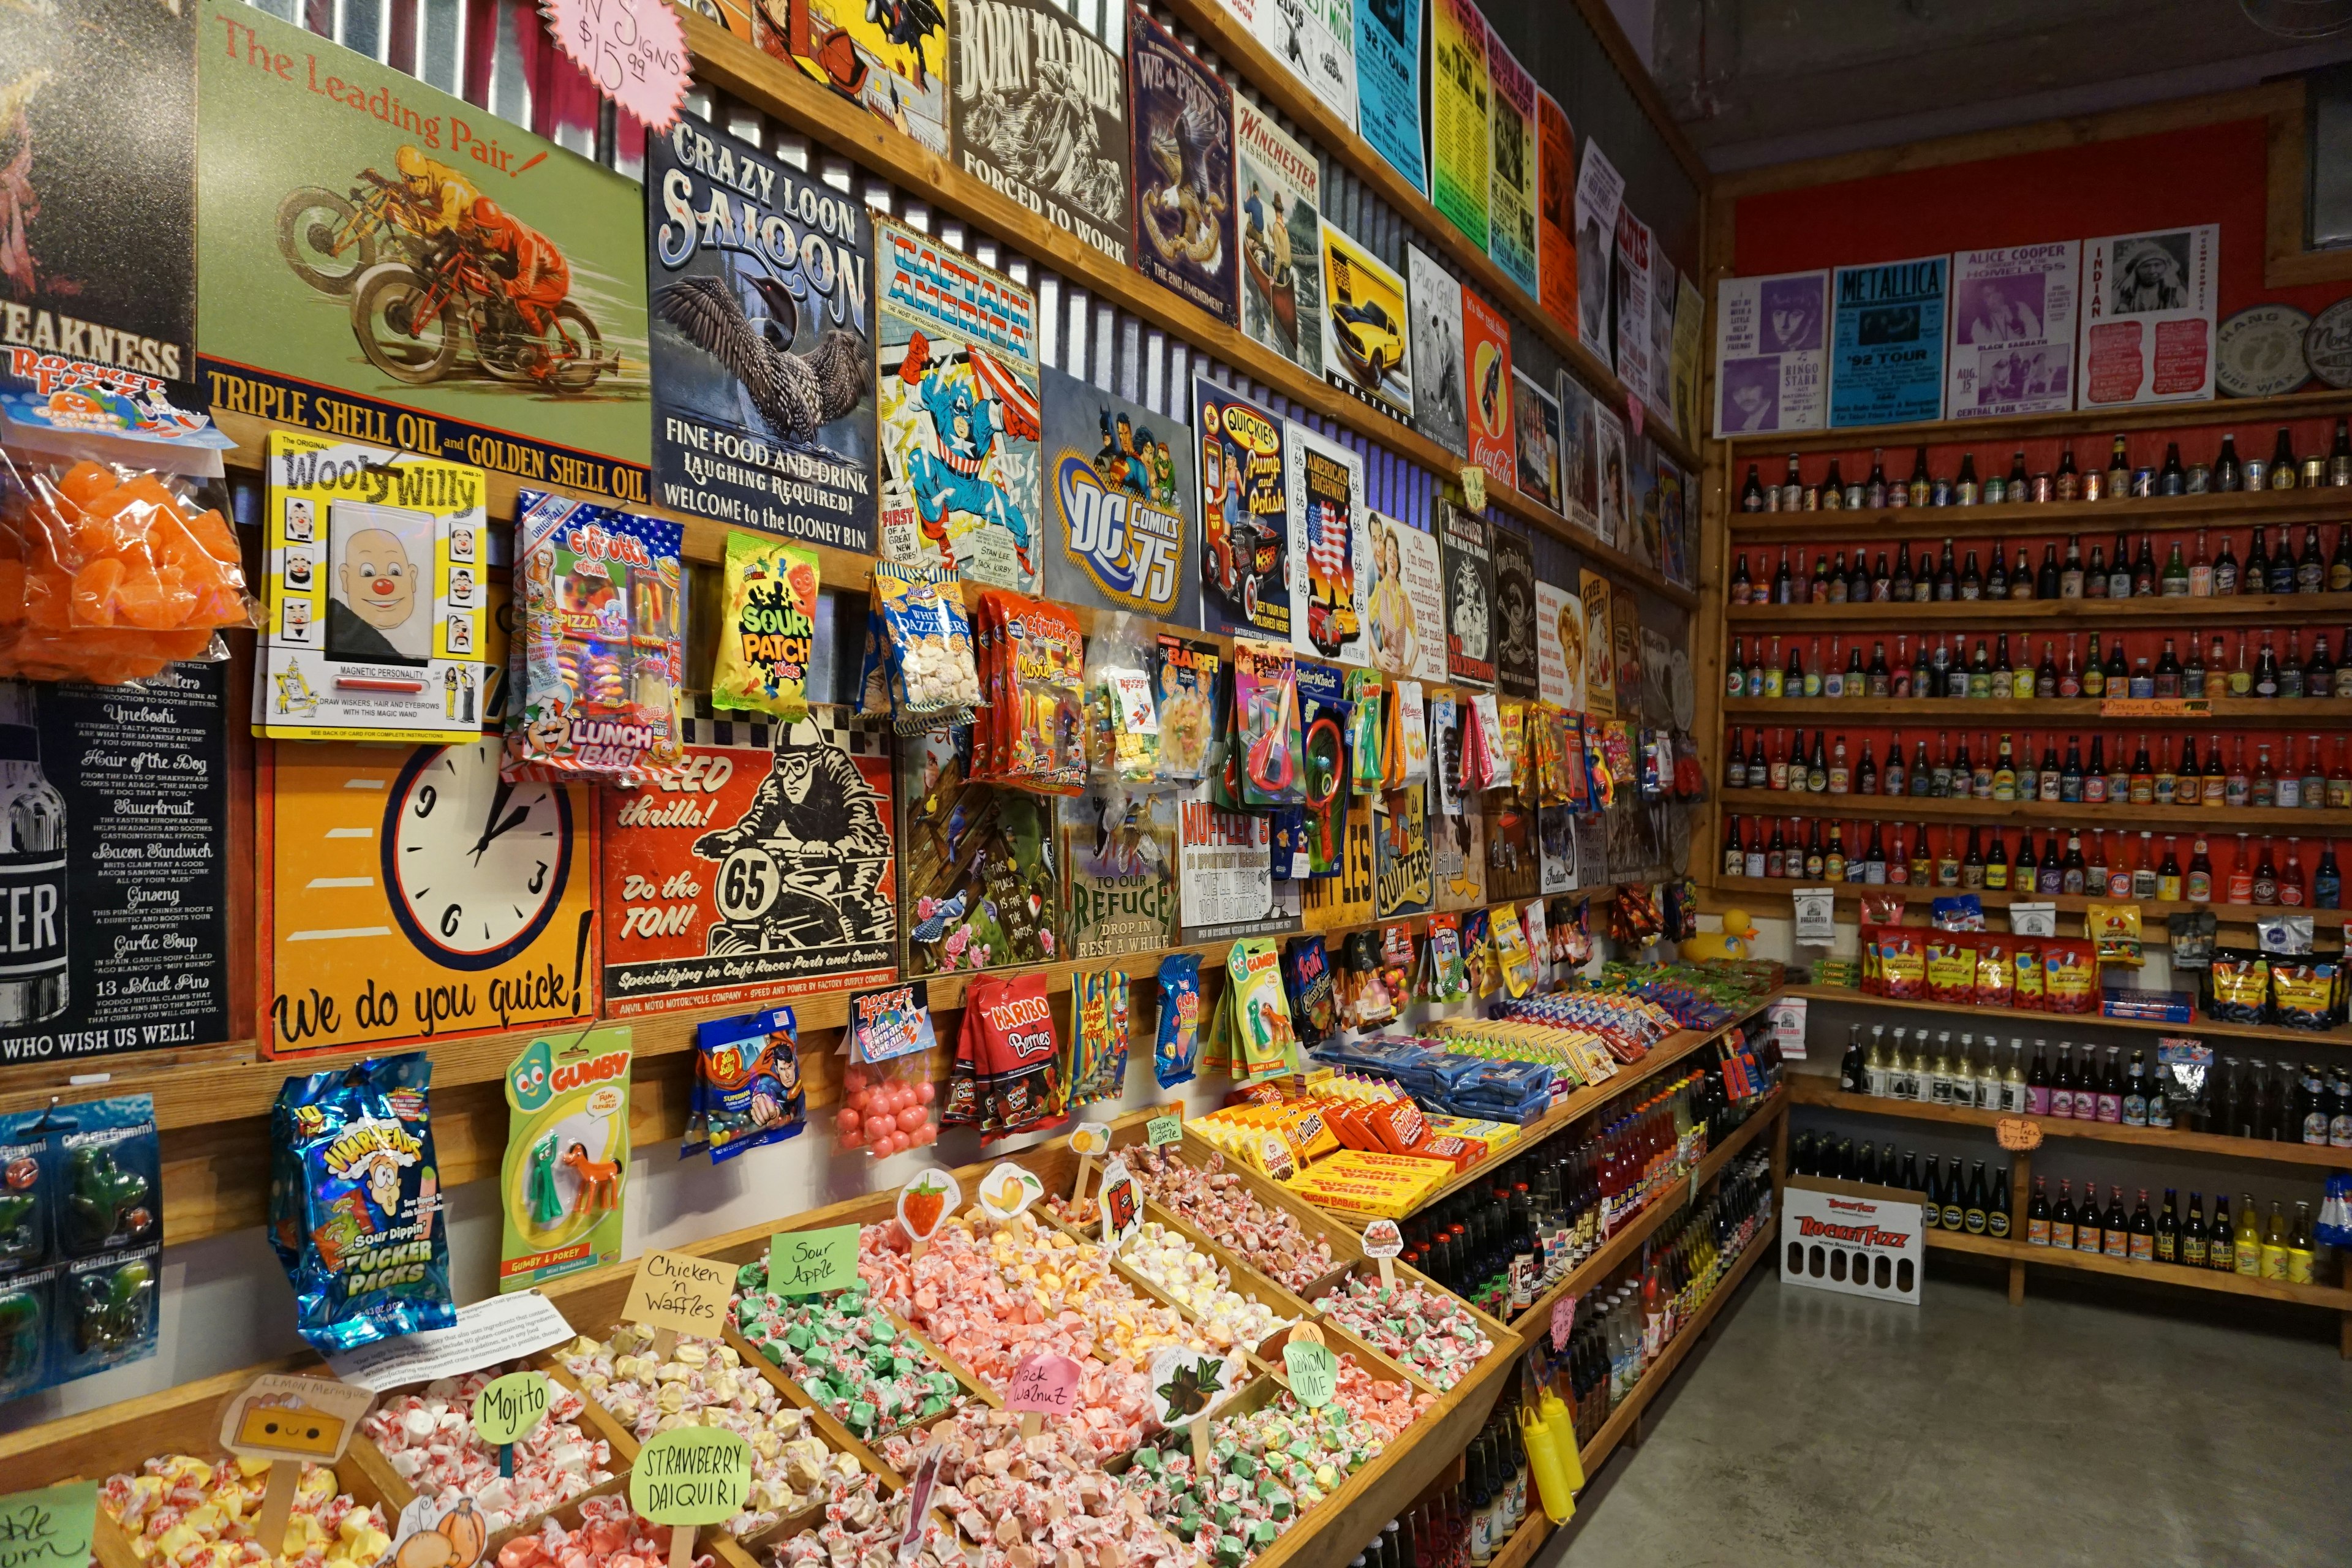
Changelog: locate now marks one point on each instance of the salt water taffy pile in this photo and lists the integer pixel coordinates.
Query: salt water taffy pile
(1425, 1330)
(1265, 1468)
(1219, 1204)
(861, 1530)
(190, 1512)
(609, 1536)
(705, 1383)
(428, 1436)
(847, 1353)
(1072, 1281)
(1199, 1284)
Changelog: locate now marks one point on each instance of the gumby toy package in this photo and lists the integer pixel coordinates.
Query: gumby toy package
(1260, 1016)
(355, 1203)
(747, 1085)
(767, 636)
(567, 1160)
(81, 1240)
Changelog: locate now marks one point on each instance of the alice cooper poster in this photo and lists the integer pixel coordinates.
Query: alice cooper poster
(762, 873)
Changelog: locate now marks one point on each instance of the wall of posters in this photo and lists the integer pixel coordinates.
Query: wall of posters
(1613, 518)
(1555, 211)
(100, 261)
(765, 872)
(1367, 349)
(2148, 313)
(1406, 601)
(1180, 120)
(1245, 579)
(412, 894)
(1515, 615)
(1439, 408)
(891, 60)
(117, 936)
(2012, 348)
(1628, 298)
(1600, 645)
(1560, 646)
(1580, 452)
(1600, 193)
(1120, 886)
(1511, 179)
(1487, 356)
(1466, 542)
(1317, 40)
(1388, 84)
(562, 366)
(956, 402)
(1772, 361)
(1038, 109)
(1280, 183)
(1120, 495)
(762, 294)
(1458, 136)
(1682, 360)
(1886, 342)
(1535, 430)
(1330, 546)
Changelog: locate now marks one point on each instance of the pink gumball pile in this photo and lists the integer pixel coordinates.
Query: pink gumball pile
(883, 1114)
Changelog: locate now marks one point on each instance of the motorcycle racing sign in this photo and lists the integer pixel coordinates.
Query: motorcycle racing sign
(762, 873)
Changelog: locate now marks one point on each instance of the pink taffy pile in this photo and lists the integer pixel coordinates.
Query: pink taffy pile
(428, 1436)
(609, 1536)
(861, 1530)
(1216, 1202)
(884, 1114)
(1388, 1406)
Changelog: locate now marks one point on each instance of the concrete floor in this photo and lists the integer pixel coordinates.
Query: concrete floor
(1820, 1428)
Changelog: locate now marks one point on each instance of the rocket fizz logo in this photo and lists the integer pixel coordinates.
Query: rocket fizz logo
(1040, 112)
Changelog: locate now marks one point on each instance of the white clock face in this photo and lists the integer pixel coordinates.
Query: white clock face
(475, 865)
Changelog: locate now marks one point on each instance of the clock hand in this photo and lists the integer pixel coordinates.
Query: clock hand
(491, 827)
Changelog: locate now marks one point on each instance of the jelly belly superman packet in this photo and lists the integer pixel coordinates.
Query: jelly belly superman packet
(355, 1203)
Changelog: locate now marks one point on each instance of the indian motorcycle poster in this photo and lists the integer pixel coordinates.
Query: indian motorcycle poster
(1886, 342)
(1180, 117)
(304, 292)
(1330, 546)
(1511, 181)
(1245, 579)
(101, 271)
(1771, 364)
(2148, 315)
(890, 58)
(1487, 356)
(1388, 84)
(2012, 348)
(762, 341)
(410, 893)
(1367, 349)
(1119, 493)
(1039, 111)
(1515, 615)
(956, 393)
(1467, 544)
(1555, 210)
(762, 873)
(1457, 115)
(1439, 410)
(1279, 184)
(1405, 605)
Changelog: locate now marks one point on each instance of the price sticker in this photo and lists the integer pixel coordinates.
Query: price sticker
(1474, 487)
(2017, 1134)
(1314, 1372)
(812, 1262)
(1563, 1321)
(1163, 1130)
(691, 1475)
(633, 50)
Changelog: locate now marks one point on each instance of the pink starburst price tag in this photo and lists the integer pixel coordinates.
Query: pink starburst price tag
(633, 50)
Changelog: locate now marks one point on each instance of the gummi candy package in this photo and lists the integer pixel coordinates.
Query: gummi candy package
(1365, 1000)
(111, 574)
(1307, 980)
(1122, 716)
(886, 1092)
(767, 631)
(747, 1085)
(1009, 1047)
(1098, 1041)
(1178, 1040)
(921, 641)
(595, 657)
(81, 1240)
(1033, 730)
(355, 1203)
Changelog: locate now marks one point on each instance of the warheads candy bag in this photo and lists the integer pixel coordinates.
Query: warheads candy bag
(355, 1203)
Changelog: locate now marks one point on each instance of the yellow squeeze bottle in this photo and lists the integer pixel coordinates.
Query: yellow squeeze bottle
(1543, 1463)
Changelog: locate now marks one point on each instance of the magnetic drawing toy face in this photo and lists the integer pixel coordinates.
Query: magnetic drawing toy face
(377, 578)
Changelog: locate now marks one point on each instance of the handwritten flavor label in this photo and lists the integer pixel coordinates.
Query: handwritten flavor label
(811, 1262)
(1314, 1372)
(283, 1416)
(1047, 1384)
(509, 1408)
(51, 1528)
(692, 1474)
(684, 1294)
(1161, 1131)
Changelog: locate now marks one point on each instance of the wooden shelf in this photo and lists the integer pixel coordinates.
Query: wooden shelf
(2281, 610)
(1918, 898)
(1813, 1089)
(1231, 41)
(782, 91)
(2036, 713)
(2248, 412)
(2055, 1023)
(1620, 1420)
(2010, 1250)
(2219, 510)
(1533, 1531)
(2214, 821)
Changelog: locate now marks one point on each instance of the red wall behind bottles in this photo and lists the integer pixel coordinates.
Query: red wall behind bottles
(2212, 174)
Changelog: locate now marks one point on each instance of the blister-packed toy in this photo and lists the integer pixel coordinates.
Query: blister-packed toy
(887, 1091)
(109, 574)
(1032, 730)
(1122, 711)
(1268, 736)
(81, 1240)
(918, 649)
(595, 650)
(1264, 1038)
(1178, 1038)
(767, 628)
(355, 1203)
(1187, 679)
(747, 1085)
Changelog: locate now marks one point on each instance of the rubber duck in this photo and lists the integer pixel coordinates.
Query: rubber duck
(1732, 941)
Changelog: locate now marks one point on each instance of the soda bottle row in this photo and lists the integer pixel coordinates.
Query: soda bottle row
(2277, 1250)
(2287, 772)
(2120, 479)
(2239, 664)
(1462, 1525)
(1976, 1201)
(1955, 574)
(2254, 872)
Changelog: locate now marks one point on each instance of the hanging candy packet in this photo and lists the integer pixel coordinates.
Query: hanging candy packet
(81, 1240)
(1575, 762)
(1187, 679)
(1409, 727)
(1365, 1000)
(1031, 669)
(1266, 708)
(1397, 955)
(767, 633)
(1479, 962)
(1492, 768)
(1261, 1025)
(747, 1085)
(1572, 933)
(887, 1091)
(1307, 981)
(1008, 1037)
(595, 654)
(1122, 715)
(1178, 1039)
(1367, 728)
(1100, 1040)
(355, 1203)
(1512, 955)
(1445, 977)
(2113, 931)
(2070, 974)
(925, 646)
